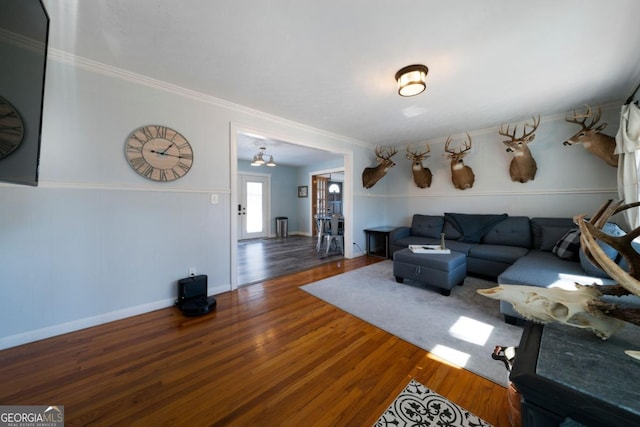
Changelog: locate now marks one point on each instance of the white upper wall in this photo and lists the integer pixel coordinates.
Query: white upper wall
(569, 180)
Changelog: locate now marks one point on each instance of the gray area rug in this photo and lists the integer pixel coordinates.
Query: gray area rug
(416, 405)
(463, 328)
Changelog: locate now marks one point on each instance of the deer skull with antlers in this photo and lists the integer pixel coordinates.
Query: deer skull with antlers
(372, 175)
(545, 305)
(584, 307)
(593, 141)
(523, 166)
(462, 175)
(421, 175)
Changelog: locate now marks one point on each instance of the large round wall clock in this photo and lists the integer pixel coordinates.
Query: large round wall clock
(11, 128)
(158, 153)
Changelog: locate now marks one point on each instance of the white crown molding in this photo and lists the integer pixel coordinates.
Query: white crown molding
(118, 73)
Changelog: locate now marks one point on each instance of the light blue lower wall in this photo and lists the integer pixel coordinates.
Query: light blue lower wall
(71, 255)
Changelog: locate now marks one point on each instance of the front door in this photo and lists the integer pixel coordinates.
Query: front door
(253, 206)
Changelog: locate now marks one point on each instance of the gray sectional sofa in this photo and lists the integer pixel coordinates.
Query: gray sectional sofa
(514, 250)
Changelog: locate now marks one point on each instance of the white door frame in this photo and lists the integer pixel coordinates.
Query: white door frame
(347, 200)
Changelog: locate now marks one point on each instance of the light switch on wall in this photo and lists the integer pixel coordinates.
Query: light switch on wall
(214, 199)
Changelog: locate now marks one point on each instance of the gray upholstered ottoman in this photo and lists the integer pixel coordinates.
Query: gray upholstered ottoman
(442, 270)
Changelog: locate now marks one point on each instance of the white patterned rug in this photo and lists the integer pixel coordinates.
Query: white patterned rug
(416, 405)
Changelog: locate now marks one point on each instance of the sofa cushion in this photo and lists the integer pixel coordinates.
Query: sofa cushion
(550, 236)
(450, 231)
(458, 246)
(427, 225)
(499, 253)
(547, 231)
(512, 231)
(568, 246)
(544, 269)
(473, 226)
(416, 240)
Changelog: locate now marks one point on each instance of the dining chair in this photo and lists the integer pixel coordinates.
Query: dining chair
(321, 227)
(335, 233)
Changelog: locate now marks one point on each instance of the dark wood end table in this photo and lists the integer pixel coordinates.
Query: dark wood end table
(379, 232)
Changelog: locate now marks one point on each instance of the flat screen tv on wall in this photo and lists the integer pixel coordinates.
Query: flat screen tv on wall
(24, 31)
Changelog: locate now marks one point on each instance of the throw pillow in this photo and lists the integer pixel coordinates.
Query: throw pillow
(568, 247)
(427, 225)
(473, 226)
(591, 269)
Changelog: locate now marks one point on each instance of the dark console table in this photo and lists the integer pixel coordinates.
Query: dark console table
(566, 373)
(375, 232)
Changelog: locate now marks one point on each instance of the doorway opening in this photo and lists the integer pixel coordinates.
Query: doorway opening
(300, 163)
(327, 193)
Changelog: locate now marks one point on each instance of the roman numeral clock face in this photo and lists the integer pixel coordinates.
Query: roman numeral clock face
(158, 153)
(11, 128)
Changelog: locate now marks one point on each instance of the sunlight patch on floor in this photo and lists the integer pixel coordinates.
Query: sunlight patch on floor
(471, 330)
(450, 356)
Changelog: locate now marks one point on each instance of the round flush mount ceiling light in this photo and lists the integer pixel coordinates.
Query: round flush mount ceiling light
(412, 79)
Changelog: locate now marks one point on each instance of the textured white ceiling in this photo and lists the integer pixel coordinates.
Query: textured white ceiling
(284, 153)
(330, 64)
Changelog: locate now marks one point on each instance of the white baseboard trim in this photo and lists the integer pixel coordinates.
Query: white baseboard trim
(76, 325)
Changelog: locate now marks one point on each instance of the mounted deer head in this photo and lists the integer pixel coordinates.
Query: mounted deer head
(461, 175)
(421, 175)
(523, 166)
(593, 141)
(372, 175)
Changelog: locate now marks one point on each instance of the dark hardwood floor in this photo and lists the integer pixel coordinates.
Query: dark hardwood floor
(262, 259)
(270, 355)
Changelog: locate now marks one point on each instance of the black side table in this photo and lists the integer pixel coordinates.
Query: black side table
(376, 233)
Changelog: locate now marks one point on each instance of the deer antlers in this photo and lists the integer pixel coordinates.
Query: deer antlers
(383, 153)
(590, 231)
(458, 151)
(595, 118)
(415, 155)
(627, 282)
(526, 136)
